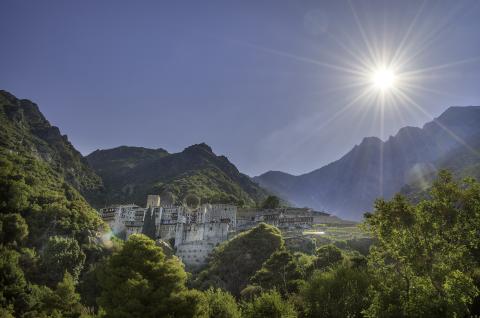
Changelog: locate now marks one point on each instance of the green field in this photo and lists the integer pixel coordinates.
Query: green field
(336, 232)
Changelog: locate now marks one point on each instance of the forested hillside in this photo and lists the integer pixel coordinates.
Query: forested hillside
(130, 173)
(24, 130)
(49, 234)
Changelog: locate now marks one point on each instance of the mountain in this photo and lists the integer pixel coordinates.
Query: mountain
(130, 173)
(25, 130)
(462, 162)
(41, 177)
(376, 168)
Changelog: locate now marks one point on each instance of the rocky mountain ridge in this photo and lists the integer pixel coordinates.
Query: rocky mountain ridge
(376, 168)
(130, 173)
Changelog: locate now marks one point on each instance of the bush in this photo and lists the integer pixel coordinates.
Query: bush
(339, 292)
(269, 305)
(221, 304)
(233, 263)
(61, 254)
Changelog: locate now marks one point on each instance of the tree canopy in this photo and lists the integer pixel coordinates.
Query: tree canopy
(426, 253)
(139, 281)
(270, 304)
(233, 263)
(271, 202)
(280, 272)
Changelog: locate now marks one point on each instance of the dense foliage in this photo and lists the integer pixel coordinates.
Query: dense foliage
(269, 304)
(48, 232)
(24, 130)
(424, 261)
(338, 292)
(281, 272)
(139, 281)
(235, 261)
(271, 202)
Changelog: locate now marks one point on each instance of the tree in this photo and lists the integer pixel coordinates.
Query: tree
(279, 272)
(6, 312)
(186, 304)
(192, 201)
(13, 229)
(271, 202)
(221, 304)
(233, 262)
(269, 305)
(14, 289)
(64, 300)
(339, 292)
(61, 254)
(328, 256)
(424, 254)
(139, 281)
(168, 198)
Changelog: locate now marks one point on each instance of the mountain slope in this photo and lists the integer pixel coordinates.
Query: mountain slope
(130, 173)
(24, 129)
(39, 171)
(375, 168)
(461, 161)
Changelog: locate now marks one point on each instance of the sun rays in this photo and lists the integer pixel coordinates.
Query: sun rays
(379, 75)
(383, 78)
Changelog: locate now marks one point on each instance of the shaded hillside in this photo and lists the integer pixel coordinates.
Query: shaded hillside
(24, 129)
(461, 161)
(376, 168)
(39, 171)
(130, 173)
(49, 234)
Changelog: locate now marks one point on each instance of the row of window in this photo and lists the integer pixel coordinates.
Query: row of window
(194, 251)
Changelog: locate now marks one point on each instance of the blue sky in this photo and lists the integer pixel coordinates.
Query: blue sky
(267, 83)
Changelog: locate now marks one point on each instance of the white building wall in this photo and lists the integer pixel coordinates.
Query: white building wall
(196, 233)
(194, 253)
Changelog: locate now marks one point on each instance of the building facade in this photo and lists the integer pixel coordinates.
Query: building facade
(283, 218)
(194, 233)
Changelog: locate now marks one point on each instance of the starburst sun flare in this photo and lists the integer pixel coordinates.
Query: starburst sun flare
(383, 78)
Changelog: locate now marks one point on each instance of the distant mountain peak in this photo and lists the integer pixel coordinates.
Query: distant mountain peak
(130, 173)
(376, 168)
(25, 130)
(274, 173)
(371, 141)
(408, 130)
(199, 147)
(460, 109)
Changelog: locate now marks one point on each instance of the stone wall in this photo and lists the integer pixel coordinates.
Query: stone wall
(194, 253)
(195, 232)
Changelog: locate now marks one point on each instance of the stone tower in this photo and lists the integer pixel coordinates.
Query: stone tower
(153, 200)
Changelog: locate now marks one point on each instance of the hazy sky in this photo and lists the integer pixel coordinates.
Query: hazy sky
(274, 85)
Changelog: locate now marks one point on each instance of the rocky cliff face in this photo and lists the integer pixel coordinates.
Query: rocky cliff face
(376, 168)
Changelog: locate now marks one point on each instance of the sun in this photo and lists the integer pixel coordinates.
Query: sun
(383, 79)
